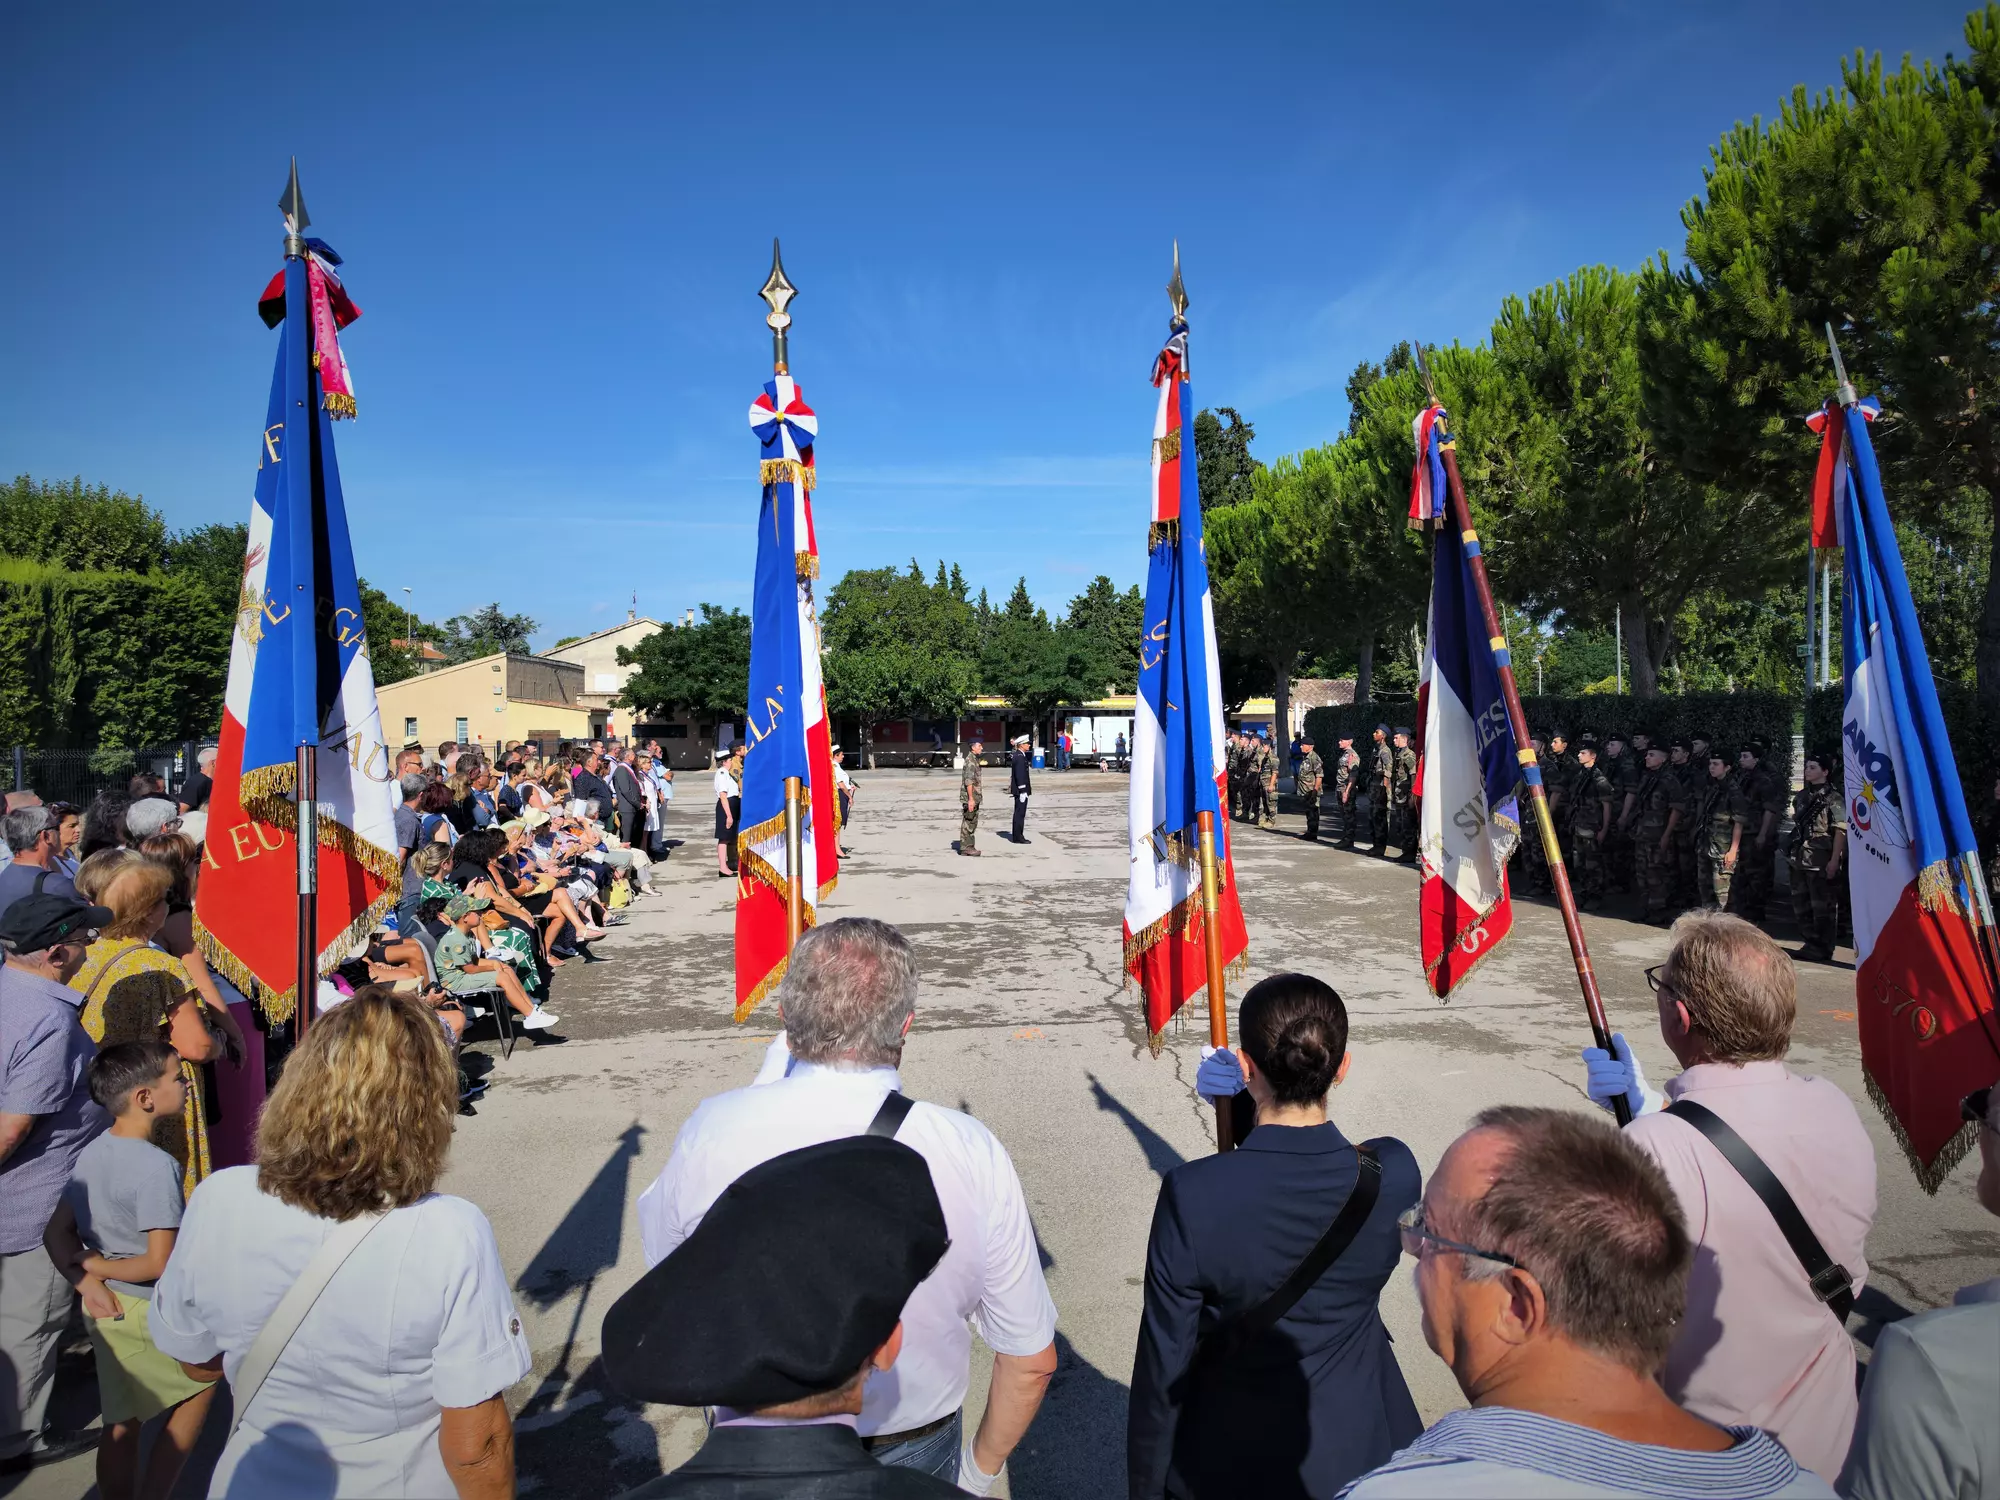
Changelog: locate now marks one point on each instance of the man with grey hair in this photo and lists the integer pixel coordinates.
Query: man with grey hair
(1552, 1270)
(847, 1001)
(14, 802)
(32, 838)
(1765, 1340)
(197, 789)
(409, 830)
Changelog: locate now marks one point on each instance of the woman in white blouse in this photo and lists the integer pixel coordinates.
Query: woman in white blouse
(728, 811)
(394, 1384)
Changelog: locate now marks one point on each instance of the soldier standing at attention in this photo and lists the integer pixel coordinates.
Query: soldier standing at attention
(1018, 787)
(1817, 849)
(1618, 765)
(1345, 767)
(1402, 790)
(1232, 760)
(1662, 808)
(1307, 782)
(1557, 770)
(1719, 819)
(1253, 780)
(1682, 766)
(1267, 782)
(1381, 761)
(1590, 824)
(1534, 858)
(969, 792)
(1764, 805)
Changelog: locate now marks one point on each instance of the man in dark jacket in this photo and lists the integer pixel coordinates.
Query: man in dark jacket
(1018, 787)
(589, 783)
(778, 1343)
(631, 800)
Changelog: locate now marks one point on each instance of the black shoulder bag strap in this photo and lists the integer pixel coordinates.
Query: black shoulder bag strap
(889, 1118)
(1829, 1279)
(1229, 1340)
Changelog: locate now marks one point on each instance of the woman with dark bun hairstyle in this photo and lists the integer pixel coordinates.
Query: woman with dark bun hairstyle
(1263, 1365)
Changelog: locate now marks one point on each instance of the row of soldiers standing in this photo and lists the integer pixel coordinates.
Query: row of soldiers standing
(1253, 778)
(1688, 825)
(1386, 787)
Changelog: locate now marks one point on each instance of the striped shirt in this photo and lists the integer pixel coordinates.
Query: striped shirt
(1499, 1451)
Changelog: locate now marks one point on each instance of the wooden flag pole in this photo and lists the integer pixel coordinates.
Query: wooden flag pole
(1218, 994)
(305, 767)
(1579, 950)
(795, 888)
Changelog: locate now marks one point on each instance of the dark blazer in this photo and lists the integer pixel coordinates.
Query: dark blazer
(589, 786)
(631, 804)
(1017, 773)
(1319, 1400)
(820, 1462)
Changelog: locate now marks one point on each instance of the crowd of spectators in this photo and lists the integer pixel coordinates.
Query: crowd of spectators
(1658, 1310)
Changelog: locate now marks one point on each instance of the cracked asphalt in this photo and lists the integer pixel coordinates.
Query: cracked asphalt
(1024, 1022)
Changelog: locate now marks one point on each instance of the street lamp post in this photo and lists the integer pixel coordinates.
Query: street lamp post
(409, 621)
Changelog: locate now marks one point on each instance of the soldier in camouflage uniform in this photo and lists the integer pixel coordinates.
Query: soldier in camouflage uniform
(1267, 782)
(1589, 802)
(1534, 860)
(1346, 768)
(1233, 760)
(1253, 782)
(1816, 850)
(969, 798)
(1381, 759)
(1620, 768)
(1719, 817)
(1682, 766)
(1660, 809)
(1764, 806)
(1402, 796)
(1308, 782)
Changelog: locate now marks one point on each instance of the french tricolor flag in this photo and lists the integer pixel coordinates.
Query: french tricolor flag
(1926, 958)
(1468, 819)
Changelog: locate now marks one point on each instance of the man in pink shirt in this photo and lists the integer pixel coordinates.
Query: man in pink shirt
(1758, 1346)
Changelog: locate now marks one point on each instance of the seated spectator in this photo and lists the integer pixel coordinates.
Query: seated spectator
(848, 999)
(133, 992)
(433, 822)
(1552, 1266)
(783, 1345)
(410, 786)
(1927, 1422)
(35, 844)
(396, 1384)
(1759, 1346)
(1316, 1380)
(47, 1117)
(111, 1236)
(468, 966)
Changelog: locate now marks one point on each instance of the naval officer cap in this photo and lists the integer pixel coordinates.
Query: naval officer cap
(795, 1275)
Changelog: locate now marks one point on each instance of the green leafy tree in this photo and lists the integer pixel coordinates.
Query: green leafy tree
(1112, 623)
(212, 556)
(387, 621)
(1367, 376)
(1876, 207)
(486, 630)
(1222, 455)
(70, 524)
(703, 668)
(897, 647)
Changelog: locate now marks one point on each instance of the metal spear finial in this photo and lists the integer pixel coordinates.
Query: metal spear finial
(1843, 388)
(778, 291)
(1424, 369)
(1176, 290)
(292, 204)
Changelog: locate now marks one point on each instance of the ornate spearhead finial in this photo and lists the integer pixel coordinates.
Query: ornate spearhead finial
(1176, 291)
(1424, 369)
(1843, 387)
(292, 204)
(778, 291)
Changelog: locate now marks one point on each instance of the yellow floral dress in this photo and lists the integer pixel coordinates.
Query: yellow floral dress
(129, 989)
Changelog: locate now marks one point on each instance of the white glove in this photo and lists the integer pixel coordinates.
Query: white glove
(973, 1479)
(1618, 1072)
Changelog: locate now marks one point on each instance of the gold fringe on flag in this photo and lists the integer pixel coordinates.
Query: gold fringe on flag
(808, 565)
(1162, 531)
(1937, 888)
(338, 402)
(752, 866)
(787, 471)
(1168, 447)
(1929, 1178)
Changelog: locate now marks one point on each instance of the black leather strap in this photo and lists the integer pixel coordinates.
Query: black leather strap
(889, 1118)
(1829, 1279)
(1238, 1334)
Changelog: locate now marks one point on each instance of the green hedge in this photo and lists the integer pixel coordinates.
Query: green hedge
(1731, 718)
(1974, 733)
(105, 659)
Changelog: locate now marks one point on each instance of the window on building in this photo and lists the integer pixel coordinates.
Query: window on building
(463, 733)
(409, 730)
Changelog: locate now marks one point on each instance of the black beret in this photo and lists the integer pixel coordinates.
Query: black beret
(1614, 734)
(1559, 734)
(795, 1275)
(1403, 729)
(1680, 743)
(1588, 742)
(1703, 735)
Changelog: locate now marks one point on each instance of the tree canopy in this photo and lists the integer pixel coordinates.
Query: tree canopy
(702, 668)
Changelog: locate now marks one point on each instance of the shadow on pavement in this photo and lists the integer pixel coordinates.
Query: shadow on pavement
(1077, 1443)
(1160, 1155)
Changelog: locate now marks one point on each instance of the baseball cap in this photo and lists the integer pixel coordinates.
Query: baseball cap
(32, 923)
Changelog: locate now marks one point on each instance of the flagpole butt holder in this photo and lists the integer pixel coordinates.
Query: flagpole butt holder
(1218, 993)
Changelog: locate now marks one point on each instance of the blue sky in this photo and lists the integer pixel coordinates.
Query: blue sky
(556, 219)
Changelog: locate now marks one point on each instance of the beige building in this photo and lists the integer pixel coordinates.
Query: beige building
(488, 700)
(603, 678)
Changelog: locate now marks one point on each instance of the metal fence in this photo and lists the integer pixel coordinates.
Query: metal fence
(75, 774)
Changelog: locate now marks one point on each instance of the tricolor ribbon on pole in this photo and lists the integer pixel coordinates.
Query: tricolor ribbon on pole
(1177, 736)
(1469, 822)
(299, 675)
(1926, 961)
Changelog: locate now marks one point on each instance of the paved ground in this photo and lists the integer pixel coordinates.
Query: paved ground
(1024, 1023)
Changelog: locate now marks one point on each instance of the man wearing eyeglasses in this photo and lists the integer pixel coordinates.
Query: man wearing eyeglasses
(1552, 1270)
(1765, 1341)
(47, 1117)
(1927, 1424)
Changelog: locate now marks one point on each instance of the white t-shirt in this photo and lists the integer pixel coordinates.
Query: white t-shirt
(725, 784)
(841, 779)
(991, 1275)
(419, 1318)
